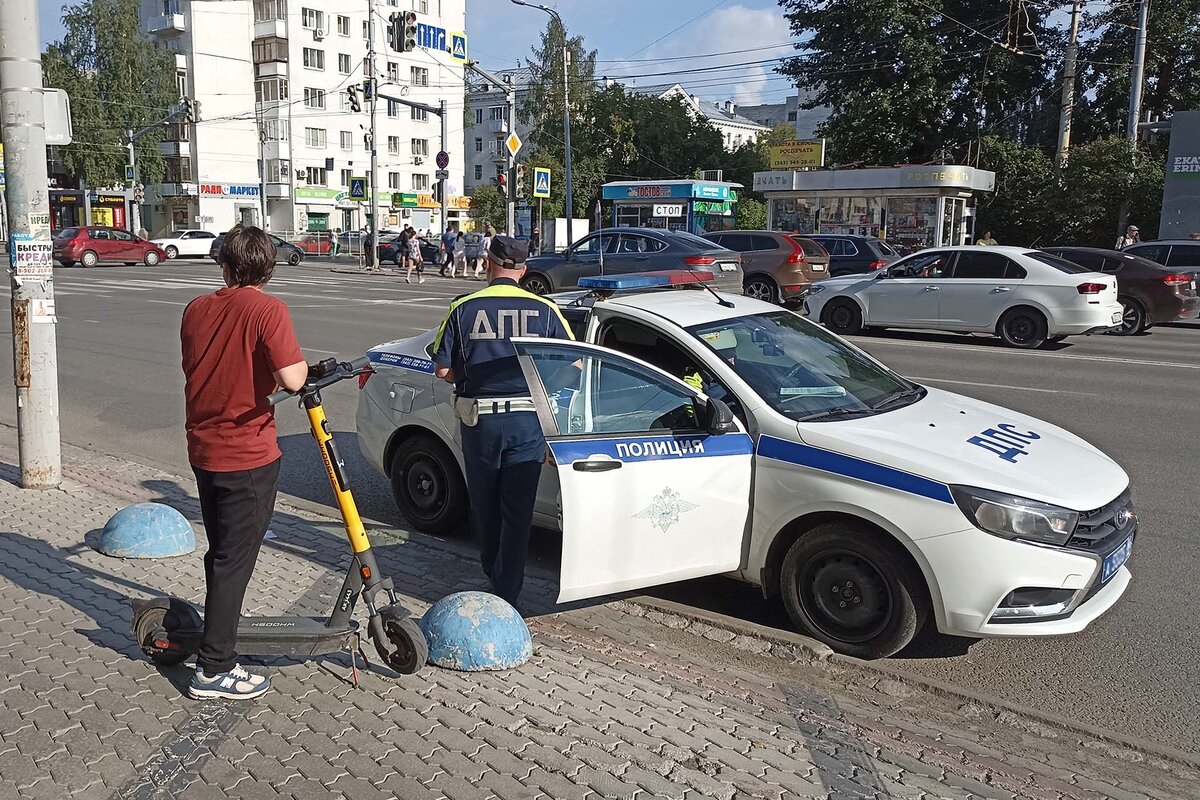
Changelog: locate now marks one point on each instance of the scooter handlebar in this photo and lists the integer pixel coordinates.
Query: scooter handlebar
(322, 374)
(275, 398)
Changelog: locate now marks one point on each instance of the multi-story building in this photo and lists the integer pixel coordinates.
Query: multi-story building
(487, 126)
(735, 128)
(271, 81)
(806, 121)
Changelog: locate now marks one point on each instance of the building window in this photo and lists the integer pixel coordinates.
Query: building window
(498, 145)
(314, 137)
(394, 145)
(177, 132)
(393, 72)
(312, 19)
(316, 176)
(478, 145)
(345, 177)
(496, 112)
(420, 115)
(268, 90)
(343, 24)
(347, 140)
(393, 108)
(314, 58)
(420, 147)
(314, 98)
(394, 180)
(270, 10)
(177, 170)
(420, 182)
(366, 30)
(479, 116)
(344, 63)
(479, 172)
(419, 76)
(421, 6)
(343, 101)
(181, 84)
(269, 49)
(791, 116)
(276, 130)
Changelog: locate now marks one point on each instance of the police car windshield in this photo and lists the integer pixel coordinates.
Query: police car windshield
(803, 371)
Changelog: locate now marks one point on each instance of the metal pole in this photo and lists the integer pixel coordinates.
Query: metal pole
(510, 98)
(374, 180)
(35, 365)
(567, 131)
(1136, 75)
(1068, 90)
(442, 147)
(262, 171)
(134, 208)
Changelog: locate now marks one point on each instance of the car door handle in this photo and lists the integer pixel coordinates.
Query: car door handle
(933, 288)
(596, 465)
(1002, 289)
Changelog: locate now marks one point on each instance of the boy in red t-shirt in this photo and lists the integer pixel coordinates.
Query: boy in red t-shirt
(238, 345)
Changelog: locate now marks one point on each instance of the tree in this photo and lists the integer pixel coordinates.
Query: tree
(751, 214)
(117, 80)
(491, 207)
(1022, 209)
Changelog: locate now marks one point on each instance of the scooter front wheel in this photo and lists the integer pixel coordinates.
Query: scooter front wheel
(402, 646)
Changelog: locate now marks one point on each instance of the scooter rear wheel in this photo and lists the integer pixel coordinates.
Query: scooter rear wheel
(408, 649)
(152, 623)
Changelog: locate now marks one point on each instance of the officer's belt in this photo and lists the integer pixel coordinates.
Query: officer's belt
(504, 405)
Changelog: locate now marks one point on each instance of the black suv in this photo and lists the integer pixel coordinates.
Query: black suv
(851, 254)
(1181, 254)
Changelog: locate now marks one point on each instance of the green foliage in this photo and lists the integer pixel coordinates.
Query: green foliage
(749, 157)
(751, 214)
(491, 207)
(118, 80)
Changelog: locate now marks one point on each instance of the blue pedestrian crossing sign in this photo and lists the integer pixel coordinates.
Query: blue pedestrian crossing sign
(358, 188)
(541, 182)
(458, 46)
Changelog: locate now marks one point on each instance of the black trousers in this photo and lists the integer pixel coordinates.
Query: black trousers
(237, 508)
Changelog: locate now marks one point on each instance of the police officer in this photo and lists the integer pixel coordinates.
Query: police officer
(502, 442)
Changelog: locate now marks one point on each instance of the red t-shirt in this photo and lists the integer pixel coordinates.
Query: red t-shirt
(233, 340)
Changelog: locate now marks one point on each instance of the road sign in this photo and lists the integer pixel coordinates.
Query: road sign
(443, 159)
(513, 143)
(541, 182)
(458, 46)
(442, 175)
(358, 188)
(129, 172)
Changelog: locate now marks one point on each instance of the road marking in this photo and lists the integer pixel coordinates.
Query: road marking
(999, 386)
(864, 341)
(166, 302)
(319, 350)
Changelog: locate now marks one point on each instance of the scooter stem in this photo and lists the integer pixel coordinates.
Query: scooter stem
(336, 472)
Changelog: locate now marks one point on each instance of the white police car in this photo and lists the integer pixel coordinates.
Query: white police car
(866, 502)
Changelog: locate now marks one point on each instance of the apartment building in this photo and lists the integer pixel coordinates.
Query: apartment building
(790, 112)
(487, 126)
(276, 126)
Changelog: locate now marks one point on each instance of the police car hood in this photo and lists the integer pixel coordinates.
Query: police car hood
(853, 281)
(958, 440)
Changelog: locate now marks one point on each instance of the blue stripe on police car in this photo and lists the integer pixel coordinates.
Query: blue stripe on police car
(401, 361)
(654, 448)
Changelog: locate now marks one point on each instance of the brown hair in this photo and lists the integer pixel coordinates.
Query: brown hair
(249, 254)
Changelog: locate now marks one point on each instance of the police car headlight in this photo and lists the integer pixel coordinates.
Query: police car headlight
(1016, 517)
(816, 288)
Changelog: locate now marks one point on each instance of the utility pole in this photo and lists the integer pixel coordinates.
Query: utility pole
(371, 251)
(442, 149)
(35, 364)
(1139, 66)
(1068, 90)
(136, 209)
(262, 170)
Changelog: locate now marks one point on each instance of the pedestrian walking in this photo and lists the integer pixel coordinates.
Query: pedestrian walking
(502, 443)
(447, 249)
(986, 240)
(1132, 236)
(484, 246)
(414, 258)
(535, 242)
(460, 256)
(238, 345)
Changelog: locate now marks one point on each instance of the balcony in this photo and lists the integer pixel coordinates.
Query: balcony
(271, 69)
(180, 62)
(175, 149)
(166, 25)
(500, 156)
(278, 191)
(497, 126)
(271, 28)
(176, 190)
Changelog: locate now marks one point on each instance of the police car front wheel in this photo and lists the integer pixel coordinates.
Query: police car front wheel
(854, 589)
(427, 485)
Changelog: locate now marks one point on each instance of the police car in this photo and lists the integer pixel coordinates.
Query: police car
(710, 433)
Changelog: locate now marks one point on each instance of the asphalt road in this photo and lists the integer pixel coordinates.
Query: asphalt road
(1134, 671)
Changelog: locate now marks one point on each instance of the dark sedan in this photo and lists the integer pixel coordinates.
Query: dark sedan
(389, 250)
(1149, 292)
(284, 251)
(620, 250)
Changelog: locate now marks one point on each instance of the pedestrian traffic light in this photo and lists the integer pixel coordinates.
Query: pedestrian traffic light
(502, 180)
(520, 186)
(369, 89)
(355, 105)
(139, 193)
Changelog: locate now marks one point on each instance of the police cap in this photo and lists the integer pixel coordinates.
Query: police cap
(508, 252)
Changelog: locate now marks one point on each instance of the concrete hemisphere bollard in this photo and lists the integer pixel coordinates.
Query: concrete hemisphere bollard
(147, 530)
(474, 632)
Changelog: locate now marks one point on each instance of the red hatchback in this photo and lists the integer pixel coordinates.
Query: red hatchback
(91, 244)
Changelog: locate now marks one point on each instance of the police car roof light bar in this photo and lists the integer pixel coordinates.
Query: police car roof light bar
(645, 280)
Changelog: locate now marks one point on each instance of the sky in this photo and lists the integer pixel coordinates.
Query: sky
(628, 35)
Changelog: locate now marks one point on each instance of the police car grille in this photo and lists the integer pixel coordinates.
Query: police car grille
(1100, 530)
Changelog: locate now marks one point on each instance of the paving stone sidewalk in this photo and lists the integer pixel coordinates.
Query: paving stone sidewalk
(614, 703)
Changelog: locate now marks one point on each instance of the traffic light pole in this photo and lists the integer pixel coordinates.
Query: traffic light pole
(35, 345)
(372, 192)
(442, 149)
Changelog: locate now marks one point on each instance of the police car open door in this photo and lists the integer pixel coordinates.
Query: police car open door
(654, 477)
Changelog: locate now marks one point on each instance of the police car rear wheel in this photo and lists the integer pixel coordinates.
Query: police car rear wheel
(843, 317)
(853, 589)
(428, 487)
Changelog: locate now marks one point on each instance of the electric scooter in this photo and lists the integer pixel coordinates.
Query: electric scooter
(169, 629)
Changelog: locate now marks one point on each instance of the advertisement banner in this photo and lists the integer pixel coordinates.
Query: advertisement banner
(798, 154)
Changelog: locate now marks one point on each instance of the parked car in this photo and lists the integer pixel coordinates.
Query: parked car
(855, 254)
(284, 251)
(90, 245)
(321, 244)
(186, 243)
(625, 250)
(351, 243)
(1180, 254)
(389, 249)
(1026, 297)
(1149, 292)
(776, 266)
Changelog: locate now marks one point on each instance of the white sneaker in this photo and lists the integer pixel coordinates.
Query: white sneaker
(236, 684)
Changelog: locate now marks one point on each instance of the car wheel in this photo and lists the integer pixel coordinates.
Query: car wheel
(172, 251)
(854, 589)
(842, 316)
(89, 259)
(761, 288)
(294, 259)
(151, 258)
(536, 284)
(1133, 318)
(67, 264)
(1022, 327)
(428, 487)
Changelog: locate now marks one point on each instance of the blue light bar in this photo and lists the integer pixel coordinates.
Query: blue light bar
(645, 280)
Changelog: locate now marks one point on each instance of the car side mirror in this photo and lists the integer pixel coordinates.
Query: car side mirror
(719, 418)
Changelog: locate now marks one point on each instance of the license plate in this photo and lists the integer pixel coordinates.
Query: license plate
(818, 267)
(1116, 318)
(727, 266)
(1114, 560)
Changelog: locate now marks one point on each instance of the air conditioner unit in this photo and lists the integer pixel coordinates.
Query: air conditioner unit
(318, 34)
(406, 213)
(418, 160)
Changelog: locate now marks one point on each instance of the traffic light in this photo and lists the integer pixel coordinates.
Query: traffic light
(139, 193)
(502, 180)
(369, 89)
(520, 180)
(402, 32)
(438, 188)
(189, 112)
(355, 105)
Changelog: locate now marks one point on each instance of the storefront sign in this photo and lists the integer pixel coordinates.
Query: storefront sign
(1181, 187)
(109, 199)
(773, 181)
(674, 210)
(228, 190)
(30, 257)
(798, 154)
(460, 202)
(644, 192)
(665, 191)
